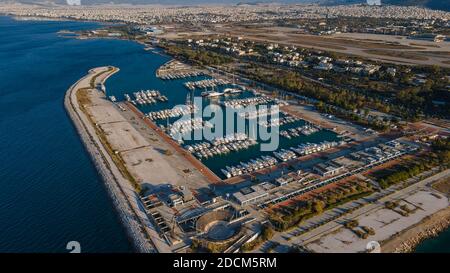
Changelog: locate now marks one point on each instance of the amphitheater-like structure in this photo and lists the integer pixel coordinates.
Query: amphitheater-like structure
(215, 226)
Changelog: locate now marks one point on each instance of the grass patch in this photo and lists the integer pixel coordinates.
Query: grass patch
(442, 186)
(396, 54)
(266, 234)
(285, 218)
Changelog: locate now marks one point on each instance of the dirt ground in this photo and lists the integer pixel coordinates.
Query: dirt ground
(385, 48)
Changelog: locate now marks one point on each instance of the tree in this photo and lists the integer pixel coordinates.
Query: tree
(318, 206)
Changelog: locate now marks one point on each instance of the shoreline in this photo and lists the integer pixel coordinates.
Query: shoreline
(128, 217)
(406, 241)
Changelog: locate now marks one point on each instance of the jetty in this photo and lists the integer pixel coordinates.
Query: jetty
(119, 188)
(223, 145)
(250, 166)
(240, 103)
(305, 130)
(173, 70)
(172, 113)
(207, 83)
(144, 97)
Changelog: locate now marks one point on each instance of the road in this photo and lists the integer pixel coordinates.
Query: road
(389, 195)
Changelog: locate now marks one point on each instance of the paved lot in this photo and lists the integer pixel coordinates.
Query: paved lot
(331, 227)
(122, 136)
(384, 221)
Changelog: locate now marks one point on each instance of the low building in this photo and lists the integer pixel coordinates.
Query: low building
(250, 195)
(328, 169)
(175, 199)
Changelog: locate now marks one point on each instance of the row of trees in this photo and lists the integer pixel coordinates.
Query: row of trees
(386, 93)
(286, 217)
(199, 56)
(293, 81)
(438, 156)
(358, 119)
(403, 173)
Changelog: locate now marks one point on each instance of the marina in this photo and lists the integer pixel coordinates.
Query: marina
(182, 127)
(206, 83)
(240, 103)
(233, 147)
(275, 122)
(181, 75)
(285, 155)
(311, 148)
(174, 70)
(250, 166)
(305, 130)
(158, 177)
(221, 146)
(259, 113)
(146, 97)
(172, 113)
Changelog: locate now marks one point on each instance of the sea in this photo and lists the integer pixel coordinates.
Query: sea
(51, 193)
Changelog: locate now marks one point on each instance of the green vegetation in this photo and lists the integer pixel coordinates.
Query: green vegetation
(375, 124)
(266, 234)
(403, 172)
(438, 156)
(443, 186)
(391, 205)
(197, 56)
(362, 232)
(351, 224)
(287, 217)
(368, 230)
(216, 247)
(410, 93)
(339, 102)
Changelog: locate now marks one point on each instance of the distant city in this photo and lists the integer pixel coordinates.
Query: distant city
(244, 128)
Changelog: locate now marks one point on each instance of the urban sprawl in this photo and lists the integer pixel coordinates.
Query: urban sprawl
(361, 117)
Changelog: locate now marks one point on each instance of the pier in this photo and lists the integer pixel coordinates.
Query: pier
(172, 113)
(146, 97)
(119, 188)
(223, 145)
(208, 83)
(173, 70)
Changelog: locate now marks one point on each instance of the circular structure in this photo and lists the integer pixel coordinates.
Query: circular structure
(215, 225)
(220, 231)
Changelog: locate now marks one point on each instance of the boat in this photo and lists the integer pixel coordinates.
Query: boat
(226, 173)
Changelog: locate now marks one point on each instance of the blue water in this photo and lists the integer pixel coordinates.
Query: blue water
(50, 192)
(439, 244)
(143, 77)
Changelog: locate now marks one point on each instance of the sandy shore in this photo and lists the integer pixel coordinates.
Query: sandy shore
(125, 204)
(407, 240)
